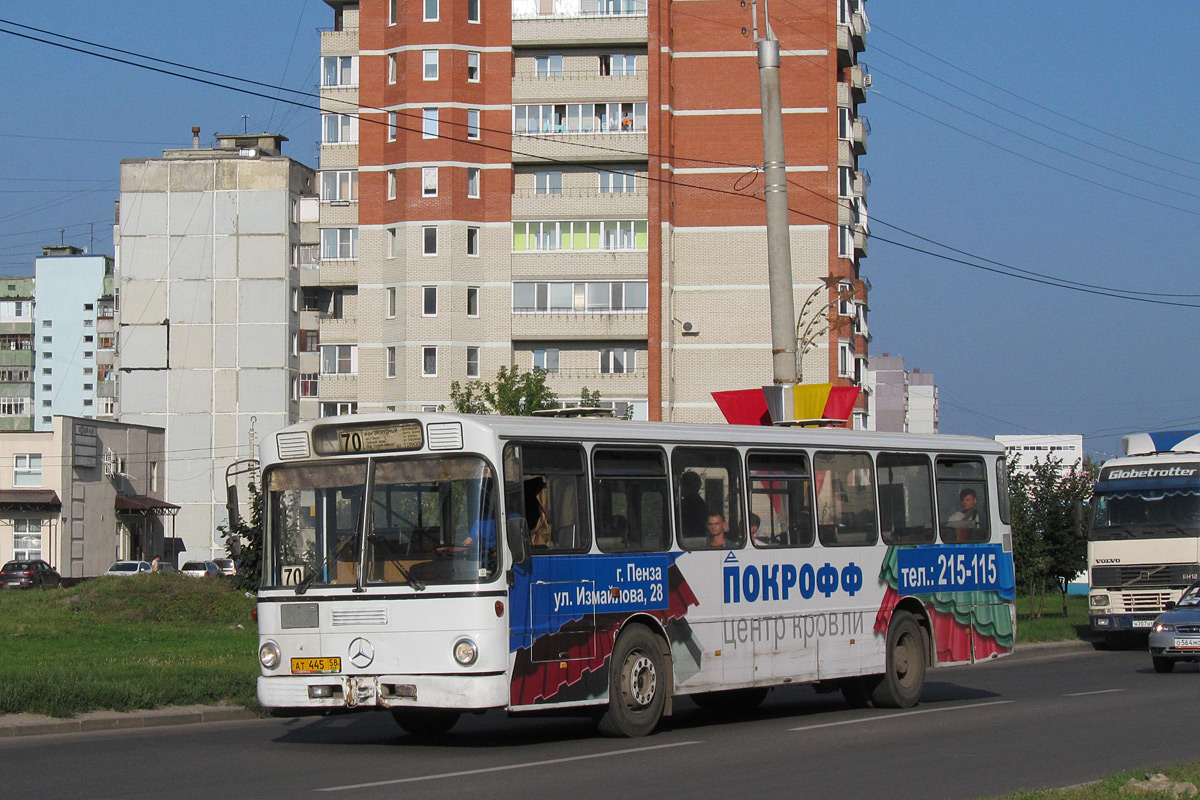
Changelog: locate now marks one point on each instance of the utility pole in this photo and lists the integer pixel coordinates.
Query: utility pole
(779, 244)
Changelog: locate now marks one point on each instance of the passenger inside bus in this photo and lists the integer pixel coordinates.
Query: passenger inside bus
(964, 523)
(693, 511)
(718, 531)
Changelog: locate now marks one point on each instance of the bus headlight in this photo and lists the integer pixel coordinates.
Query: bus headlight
(1099, 600)
(268, 655)
(465, 652)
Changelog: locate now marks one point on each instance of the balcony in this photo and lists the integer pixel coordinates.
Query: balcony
(339, 330)
(858, 135)
(339, 99)
(850, 38)
(335, 273)
(570, 86)
(860, 242)
(575, 203)
(339, 213)
(578, 28)
(569, 326)
(339, 42)
(335, 387)
(606, 146)
(859, 80)
(339, 156)
(16, 358)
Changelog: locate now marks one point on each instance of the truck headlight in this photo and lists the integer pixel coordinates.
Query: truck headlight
(465, 652)
(268, 655)
(1099, 600)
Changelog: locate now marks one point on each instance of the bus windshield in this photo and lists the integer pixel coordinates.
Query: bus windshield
(429, 520)
(1145, 516)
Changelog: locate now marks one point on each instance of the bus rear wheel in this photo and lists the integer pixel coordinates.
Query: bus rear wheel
(425, 721)
(637, 685)
(905, 677)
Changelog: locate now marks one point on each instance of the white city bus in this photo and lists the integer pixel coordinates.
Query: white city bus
(435, 564)
(1144, 538)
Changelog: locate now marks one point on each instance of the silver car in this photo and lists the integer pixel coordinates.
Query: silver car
(201, 569)
(129, 568)
(1175, 635)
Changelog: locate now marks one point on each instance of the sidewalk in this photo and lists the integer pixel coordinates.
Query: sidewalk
(12, 725)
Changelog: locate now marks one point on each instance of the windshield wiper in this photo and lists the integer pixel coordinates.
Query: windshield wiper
(403, 570)
(330, 559)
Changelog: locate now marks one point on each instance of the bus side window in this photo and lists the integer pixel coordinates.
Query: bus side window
(845, 499)
(781, 505)
(905, 498)
(631, 500)
(552, 495)
(708, 486)
(962, 499)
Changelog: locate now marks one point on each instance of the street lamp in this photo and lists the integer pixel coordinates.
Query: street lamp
(813, 320)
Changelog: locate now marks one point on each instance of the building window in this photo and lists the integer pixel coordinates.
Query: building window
(545, 118)
(339, 185)
(429, 123)
(27, 538)
(473, 182)
(546, 359)
(473, 66)
(429, 242)
(27, 469)
(391, 184)
(308, 384)
(845, 123)
(845, 241)
(472, 241)
(473, 11)
(845, 359)
(339, 71)
(472, 123)
(339, 359)
(619, 64)
(310, 341)
(845, 182)
(617, 181)
(47, 340)
(392, 242)
(391, 302)
(431, 10)
(428, 362)
(391, 12)
(391, 126)
(430, 59)
(391, 362)
(12, 406)
(618, 360)
(592, 297)
(845, 299)
(339, 129)
(429, 181)
(429, 301)
(472, 362)
(339, 243)
(580, 235)
(472, 301)
(338, 409)
(548, 182)
(549, 66)
(393, 67)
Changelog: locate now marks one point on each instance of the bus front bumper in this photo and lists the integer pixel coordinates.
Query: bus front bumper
(326, 692)
(1122, 622)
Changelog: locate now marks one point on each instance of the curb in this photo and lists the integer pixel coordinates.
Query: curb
(1051, 648)
(15, 725)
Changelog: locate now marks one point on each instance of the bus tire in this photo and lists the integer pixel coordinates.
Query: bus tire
(905, 676)
(1162, 664)
(858, 690)
(731, 700)
(637, 685)
(425, 721)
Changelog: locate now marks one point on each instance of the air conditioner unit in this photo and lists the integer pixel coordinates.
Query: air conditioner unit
(691, 328)
(110, 464)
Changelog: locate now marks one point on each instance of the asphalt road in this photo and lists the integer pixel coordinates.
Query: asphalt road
(1049, 721)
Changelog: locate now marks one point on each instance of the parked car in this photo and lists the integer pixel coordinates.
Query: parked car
(29, 574)
(166, 568)
(201, 569)
(127, 568)
(226, 566)
(1175, 635)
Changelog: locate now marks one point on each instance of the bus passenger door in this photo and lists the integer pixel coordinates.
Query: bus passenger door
(562, 609)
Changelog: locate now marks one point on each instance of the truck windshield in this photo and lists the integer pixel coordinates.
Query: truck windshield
(429, 520)
(1130, 515)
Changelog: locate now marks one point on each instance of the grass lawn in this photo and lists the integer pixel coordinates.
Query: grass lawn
(126, 643)
(1109, 788)
(1053, 626)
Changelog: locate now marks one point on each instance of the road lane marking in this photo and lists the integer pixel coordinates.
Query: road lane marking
(901, 714)
(506, 767)
(1098, 691)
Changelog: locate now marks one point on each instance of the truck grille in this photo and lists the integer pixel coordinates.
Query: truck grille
(1144, 576)
(1142, 601)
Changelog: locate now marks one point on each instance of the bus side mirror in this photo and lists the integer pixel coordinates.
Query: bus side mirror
(517, 534)
(1083, 520)
(231, 505)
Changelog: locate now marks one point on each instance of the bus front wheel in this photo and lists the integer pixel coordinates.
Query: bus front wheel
(905, 677)
(425, 721)
(637, 685)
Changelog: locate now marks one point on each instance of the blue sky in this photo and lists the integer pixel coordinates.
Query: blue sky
(1010, 356)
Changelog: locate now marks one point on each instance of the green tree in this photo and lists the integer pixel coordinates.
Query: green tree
(1046, 548)
(244, 541)
(514, 393)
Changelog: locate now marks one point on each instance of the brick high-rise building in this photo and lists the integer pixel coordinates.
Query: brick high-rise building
(556, 183)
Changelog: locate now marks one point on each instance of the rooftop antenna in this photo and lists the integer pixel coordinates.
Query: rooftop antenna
(245, 124)
(62, 236)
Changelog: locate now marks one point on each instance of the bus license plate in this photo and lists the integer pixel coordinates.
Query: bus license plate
(316, 666)
(1143, 623)
(1186, 643)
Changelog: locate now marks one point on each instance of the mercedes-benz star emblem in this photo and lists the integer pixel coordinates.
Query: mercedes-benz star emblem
(361, 653)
